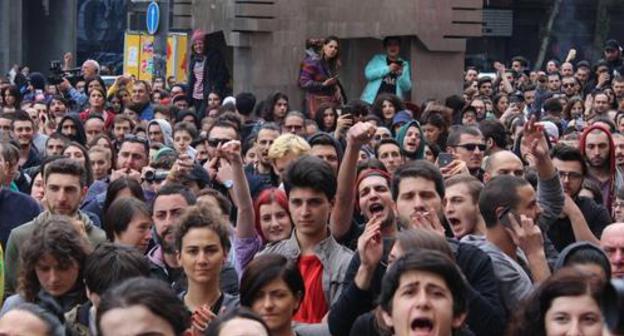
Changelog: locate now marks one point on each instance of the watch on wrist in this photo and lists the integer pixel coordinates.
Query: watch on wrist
(228, 184)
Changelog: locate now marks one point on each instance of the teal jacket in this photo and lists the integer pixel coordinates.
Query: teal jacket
(376, 69)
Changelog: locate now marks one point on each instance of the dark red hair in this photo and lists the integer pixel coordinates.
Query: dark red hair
(269, 196)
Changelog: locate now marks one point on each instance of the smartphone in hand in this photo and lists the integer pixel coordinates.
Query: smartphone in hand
(444, 159)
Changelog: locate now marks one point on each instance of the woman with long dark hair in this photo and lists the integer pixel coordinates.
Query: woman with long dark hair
(386, 106)
(276, 107)
(326, 117)
(318, 77)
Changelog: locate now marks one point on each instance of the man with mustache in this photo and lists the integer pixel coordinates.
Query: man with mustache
(597, 146)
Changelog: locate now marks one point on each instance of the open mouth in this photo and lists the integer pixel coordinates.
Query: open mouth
(454, 221)
(376, 208)
(422, 326)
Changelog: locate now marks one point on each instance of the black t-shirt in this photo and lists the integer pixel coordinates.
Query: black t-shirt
(388, 83)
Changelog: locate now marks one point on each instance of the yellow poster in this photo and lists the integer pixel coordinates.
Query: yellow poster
(176, 56)
(146, 63)
(132, 44)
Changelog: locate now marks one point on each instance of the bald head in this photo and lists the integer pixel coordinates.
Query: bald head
(612, 242)
(502, 163)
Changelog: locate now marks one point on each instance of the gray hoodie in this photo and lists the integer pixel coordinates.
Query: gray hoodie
(165, 127)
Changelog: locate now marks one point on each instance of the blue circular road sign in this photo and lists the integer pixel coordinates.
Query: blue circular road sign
(152, 16)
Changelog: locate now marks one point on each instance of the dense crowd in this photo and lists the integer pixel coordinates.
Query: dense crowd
(165, 208)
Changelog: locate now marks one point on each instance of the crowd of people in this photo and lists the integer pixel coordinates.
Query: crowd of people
(164, 208)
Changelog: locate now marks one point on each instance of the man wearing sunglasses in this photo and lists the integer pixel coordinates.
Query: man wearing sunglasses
(570, 86)
(466, 143)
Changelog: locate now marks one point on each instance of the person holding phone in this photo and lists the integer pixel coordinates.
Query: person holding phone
(387, 73)
(318, 77)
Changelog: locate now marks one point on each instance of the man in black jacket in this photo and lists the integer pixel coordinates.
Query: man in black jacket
(582, 217)
(417, 190)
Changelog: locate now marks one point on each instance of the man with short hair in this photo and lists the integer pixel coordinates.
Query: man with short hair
(461, 205)
(121, 263)
(10, 201)
(55, 144)
(388, 151)
(311, 188)
(495, 136)
(601, 104)
(567, 69)
(140, 96)
(513, 239)
(220, 133)
(519, 64)
(471, 74)
(582, 219)
(326, 148)
(263, 170)
(618, 142)
(65, 188)
(618, 88)
(418, 191)
(94, 126)
(570, 86)
(168, 206)
(466, 144)
(554, 82)
(23, 130)
(122, 125)
(484, 84)
(294, 123)
(612, 242)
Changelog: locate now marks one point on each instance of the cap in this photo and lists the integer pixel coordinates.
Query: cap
(401, 117)
(611, 44)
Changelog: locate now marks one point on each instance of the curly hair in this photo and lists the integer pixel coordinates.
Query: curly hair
(56, 237)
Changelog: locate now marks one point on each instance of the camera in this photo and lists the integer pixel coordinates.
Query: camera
(155, 176)
(612, 306)
(57, 74)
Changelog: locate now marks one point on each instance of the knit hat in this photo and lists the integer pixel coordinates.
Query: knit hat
(198, 35)
(401, 118)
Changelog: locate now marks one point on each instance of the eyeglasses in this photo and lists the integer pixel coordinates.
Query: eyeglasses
(618, 205)
(568, 85)
(472, 147)
(379, 137)
(570, 175)
(214, 142)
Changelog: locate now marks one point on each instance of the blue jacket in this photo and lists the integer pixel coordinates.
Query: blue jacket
(376, 69)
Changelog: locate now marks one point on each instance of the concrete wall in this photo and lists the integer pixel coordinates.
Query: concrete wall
(33, 35)
(268, 39)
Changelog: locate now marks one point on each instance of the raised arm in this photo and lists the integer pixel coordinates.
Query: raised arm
(342, 213)
(231, 152)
